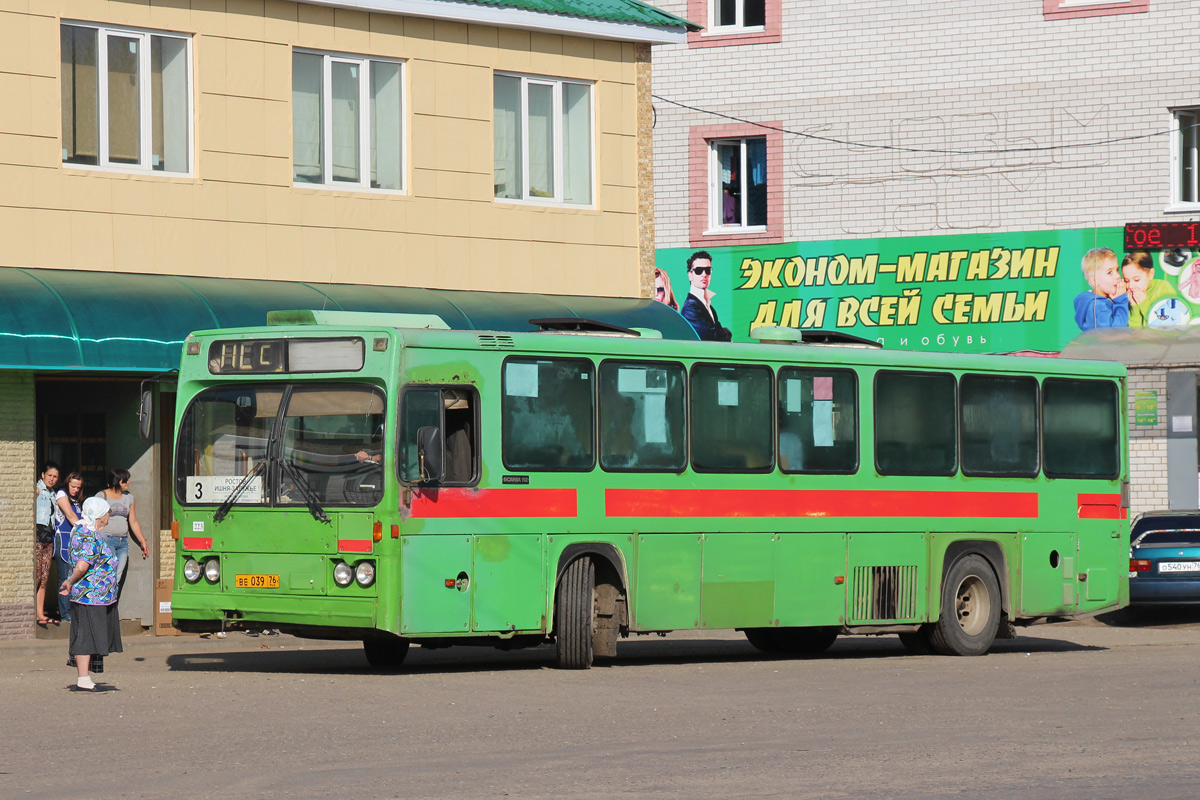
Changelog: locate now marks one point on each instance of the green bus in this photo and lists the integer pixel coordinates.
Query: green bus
(356, 479)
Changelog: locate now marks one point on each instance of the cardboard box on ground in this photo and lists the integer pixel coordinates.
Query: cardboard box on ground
(162, 614)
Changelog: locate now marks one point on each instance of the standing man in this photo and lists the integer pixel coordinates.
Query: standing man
(697, 308)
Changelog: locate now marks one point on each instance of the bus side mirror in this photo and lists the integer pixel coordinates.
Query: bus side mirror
(430, 454)
(145, 413)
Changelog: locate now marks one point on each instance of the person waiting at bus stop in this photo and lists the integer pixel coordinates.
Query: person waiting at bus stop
(92, 587)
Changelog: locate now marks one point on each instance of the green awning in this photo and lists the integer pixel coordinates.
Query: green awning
(53, 319)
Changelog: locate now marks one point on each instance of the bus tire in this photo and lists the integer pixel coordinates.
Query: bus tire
(385, 653)
(916, 642)
(792, 641)
(970, 615)
(575, 615)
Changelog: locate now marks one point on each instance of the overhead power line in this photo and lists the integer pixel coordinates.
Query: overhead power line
(982, 151)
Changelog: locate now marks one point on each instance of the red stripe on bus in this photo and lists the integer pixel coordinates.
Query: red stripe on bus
(1101, 506)
(195, 543)
(805, 503)
(354, 545)
(462, 503)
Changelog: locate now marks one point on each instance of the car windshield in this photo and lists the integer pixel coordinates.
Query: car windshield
(329, 438)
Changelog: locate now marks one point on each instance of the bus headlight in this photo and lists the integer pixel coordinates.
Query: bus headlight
(342, 574)
(212, 570)
(364, 573)
(191, 570)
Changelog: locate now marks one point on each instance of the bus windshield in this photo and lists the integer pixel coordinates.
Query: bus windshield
(326, 446)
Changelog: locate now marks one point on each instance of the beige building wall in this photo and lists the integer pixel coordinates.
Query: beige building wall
(239, 215)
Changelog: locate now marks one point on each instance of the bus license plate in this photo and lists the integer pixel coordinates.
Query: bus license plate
(1179, 566)
(256, 581)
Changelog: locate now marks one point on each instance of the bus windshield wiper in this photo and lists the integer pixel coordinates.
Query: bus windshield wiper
(310, 497)
(227, 503)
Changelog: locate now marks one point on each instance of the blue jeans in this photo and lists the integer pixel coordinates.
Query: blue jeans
(64, 571)
(120, 546)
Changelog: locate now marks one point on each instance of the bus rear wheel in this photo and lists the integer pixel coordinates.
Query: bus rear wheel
(575, 615)
(970, 615)
(792, 641)
(386, 653)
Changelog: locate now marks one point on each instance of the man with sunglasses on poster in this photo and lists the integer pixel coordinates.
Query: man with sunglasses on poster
(697, 309)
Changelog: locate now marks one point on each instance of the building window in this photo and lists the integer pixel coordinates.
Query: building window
(735, 180)
(736, 16)
(1074, 9)
(543, 139)
(727, 23)
(347, 121)
(738, 184)
(126, 98)
(1185, 150)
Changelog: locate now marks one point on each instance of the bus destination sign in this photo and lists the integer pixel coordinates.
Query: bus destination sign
(253, 356)
(1161, 235)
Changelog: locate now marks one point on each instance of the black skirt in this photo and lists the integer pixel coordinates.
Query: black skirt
(95, 630)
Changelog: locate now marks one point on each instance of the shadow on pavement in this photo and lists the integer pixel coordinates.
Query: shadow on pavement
(632, 653)
(1151, 616)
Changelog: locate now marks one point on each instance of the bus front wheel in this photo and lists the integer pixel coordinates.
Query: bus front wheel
(970, 615)
(385, 653)
(575, 615)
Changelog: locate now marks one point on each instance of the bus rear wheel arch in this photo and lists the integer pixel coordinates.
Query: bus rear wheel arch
(970, 608)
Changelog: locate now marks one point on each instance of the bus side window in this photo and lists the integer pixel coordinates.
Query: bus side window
(547, 414)
(419, 408)
(998, 417)
(818, 420)
(642, 416)
(453, 412)
(731, 418)
(915, 423)
(1081, 428)
(460, 436)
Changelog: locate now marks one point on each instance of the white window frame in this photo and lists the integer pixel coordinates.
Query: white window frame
(1179, 158)
(556, 84)
(364, 123)
(716, 205)
(146, 121)
(739, 25)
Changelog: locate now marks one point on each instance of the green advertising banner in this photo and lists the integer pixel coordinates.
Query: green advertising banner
(982, 293)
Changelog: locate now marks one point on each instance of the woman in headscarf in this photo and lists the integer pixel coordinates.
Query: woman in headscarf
(92, 587)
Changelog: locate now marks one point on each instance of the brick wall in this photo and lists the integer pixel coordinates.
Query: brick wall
(934, 75)
(645, 172)
(1148, 445)
(17, 479)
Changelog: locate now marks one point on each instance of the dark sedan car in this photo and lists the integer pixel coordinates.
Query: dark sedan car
(1164, 558)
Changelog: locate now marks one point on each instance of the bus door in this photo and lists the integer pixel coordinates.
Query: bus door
(459, 572)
